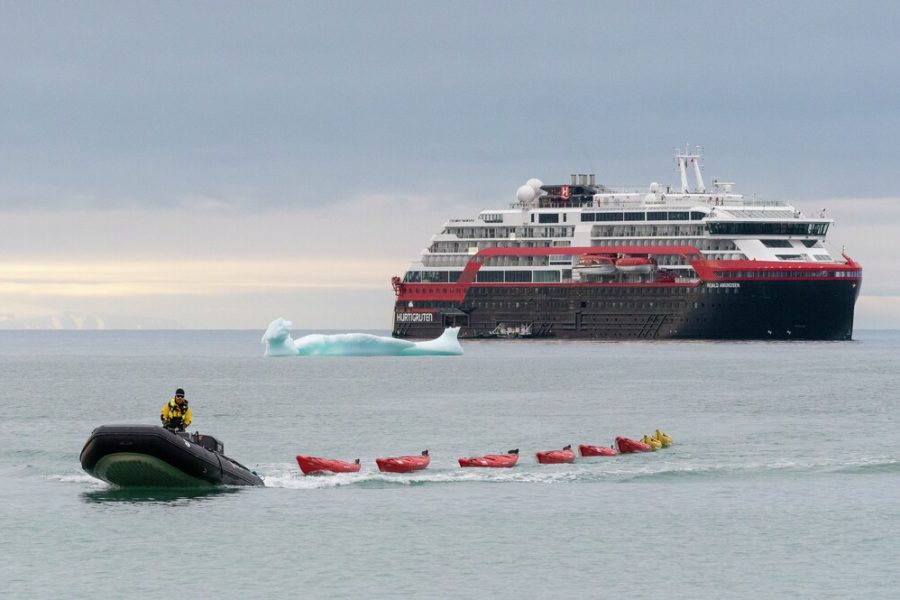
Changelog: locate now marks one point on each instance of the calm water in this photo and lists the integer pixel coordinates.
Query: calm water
(784, 479)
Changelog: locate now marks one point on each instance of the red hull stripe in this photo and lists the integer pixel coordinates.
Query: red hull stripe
(707, 270)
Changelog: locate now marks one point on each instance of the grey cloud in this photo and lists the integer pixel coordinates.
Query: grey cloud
(116, 103)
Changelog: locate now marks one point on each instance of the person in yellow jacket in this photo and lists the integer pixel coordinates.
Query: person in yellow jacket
(176, 414)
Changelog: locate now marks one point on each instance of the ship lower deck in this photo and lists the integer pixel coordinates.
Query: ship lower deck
(802, 309)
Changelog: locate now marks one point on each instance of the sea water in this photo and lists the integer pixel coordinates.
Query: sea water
(784, 478)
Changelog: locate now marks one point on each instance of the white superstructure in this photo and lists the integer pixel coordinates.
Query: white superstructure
(720, 223)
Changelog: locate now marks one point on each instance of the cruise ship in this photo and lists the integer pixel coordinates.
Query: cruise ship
(581, 260)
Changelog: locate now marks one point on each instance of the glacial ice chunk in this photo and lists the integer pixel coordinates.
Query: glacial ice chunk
(279, 342)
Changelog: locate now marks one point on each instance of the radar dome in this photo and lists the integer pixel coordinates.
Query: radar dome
(654, 187)
(536, 184)
(525, 194)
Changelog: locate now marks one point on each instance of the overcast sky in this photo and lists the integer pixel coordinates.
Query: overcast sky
(220, 164)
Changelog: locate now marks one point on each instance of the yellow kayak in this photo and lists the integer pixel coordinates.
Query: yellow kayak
(652, 442)
(664, 438)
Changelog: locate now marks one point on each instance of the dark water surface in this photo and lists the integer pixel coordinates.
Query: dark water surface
(784, 479)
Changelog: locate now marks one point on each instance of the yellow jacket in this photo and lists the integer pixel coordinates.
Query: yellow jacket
(178, 417)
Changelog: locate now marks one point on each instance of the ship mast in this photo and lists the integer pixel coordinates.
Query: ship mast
(684, 158)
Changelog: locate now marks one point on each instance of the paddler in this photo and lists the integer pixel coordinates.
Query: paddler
(176, 414)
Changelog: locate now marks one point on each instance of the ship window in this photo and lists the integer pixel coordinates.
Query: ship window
(412, 277)
(656, 216)
(434, 276)
(548, 218)
(453, 276)
(532, 217)
(587, 216)
(635, 216)
(697, 216)
(610, 216)
(546, 277)
(490, 277)
(517, 276)
(777, 243)
(678, 216)
(786, 228)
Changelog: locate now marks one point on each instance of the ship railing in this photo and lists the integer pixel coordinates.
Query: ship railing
(630, 195)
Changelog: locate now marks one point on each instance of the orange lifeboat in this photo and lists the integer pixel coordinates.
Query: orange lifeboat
(594, 264)
(637, 265)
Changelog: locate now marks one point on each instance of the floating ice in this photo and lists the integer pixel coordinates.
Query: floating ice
(279, 342)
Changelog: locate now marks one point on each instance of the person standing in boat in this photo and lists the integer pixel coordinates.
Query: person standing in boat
(176, 414)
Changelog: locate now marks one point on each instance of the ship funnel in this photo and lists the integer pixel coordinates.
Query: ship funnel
(593, 179)
(574, 179)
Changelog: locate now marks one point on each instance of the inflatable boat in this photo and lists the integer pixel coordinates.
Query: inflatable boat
(312, 465)
(495, 461)
(149, 456)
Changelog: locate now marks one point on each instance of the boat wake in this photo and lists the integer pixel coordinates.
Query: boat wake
(279, 342)
(286, 475)
(871, 467)
(80, 478)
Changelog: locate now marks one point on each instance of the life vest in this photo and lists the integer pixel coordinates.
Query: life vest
(175, 414)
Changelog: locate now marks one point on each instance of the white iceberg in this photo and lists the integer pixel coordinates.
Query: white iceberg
(279, 342)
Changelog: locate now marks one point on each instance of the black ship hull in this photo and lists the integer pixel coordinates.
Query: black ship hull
(149, 456)
(746, 310)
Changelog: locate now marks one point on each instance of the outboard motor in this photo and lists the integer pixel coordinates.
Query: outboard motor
(208, 442)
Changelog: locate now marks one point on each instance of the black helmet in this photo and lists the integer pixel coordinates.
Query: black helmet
(179, 392)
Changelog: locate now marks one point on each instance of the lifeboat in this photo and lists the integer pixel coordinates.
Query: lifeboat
(151, 456)
(553, 457)
(494, 461)
(592, 264)
(664, 438)
(587, 450)
(403, 464)
(635, 265)
(628, 446)
(312, 465)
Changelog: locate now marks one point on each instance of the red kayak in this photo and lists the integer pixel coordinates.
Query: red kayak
(587, 450)
(313, 464)
(403, 464)
(628, 446)
(553, 457)
(495, 461)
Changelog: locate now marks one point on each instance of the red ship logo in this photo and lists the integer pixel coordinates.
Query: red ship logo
(564, 192)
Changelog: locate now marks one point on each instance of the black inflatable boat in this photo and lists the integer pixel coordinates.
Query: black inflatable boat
(148, 456)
